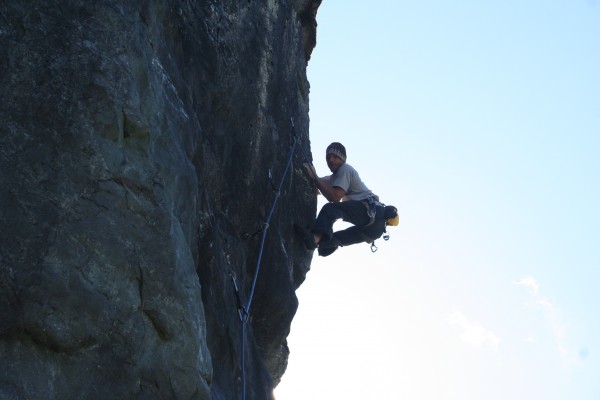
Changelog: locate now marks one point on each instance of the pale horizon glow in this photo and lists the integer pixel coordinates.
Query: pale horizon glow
(480, 121)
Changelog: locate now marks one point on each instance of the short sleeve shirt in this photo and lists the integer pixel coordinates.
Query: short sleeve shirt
(348, 179)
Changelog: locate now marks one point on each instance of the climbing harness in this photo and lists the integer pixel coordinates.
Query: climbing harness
(244, 308)
(371, 204)
(391, 219)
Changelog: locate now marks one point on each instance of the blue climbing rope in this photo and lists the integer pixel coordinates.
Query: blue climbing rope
(266, 225)
(244, 310)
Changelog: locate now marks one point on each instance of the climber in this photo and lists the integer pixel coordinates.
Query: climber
(349, 200)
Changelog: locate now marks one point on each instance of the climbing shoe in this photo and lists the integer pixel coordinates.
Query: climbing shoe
(307, 237)
(324, 252)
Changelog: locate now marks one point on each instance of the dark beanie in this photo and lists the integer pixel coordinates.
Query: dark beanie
(338, 149)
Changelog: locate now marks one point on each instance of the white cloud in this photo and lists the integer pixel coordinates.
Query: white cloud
(551, 314)
(473, 332)
(530, 282)
(531, 339)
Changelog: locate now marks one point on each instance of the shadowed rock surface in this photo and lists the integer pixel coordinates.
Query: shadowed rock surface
(136, 143)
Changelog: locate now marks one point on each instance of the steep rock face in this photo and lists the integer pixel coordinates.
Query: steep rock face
(137, 142)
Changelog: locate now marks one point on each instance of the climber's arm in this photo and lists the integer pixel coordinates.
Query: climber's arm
(332, 193)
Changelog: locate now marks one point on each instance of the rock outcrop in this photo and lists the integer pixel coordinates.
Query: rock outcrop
(139, 145)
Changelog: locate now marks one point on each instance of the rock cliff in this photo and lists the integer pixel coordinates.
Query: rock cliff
(140, 142)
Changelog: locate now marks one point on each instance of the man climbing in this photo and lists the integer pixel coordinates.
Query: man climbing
(349, 200)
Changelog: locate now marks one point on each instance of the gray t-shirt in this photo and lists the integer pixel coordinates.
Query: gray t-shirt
(348, 179)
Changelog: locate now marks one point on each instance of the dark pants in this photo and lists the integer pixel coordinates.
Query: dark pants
(354, 212)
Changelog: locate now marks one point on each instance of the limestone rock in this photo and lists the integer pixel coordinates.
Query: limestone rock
(137, 141)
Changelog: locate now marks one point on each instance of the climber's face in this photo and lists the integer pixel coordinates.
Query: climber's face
(334, 162)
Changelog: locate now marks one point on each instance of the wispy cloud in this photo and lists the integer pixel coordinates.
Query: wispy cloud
(473, 332)
(531, 339)
(530, 282)
(550, 311)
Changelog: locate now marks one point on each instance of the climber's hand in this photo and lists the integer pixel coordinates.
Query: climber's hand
(310, 170)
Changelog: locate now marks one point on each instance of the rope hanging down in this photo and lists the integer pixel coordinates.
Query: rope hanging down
(244, 309)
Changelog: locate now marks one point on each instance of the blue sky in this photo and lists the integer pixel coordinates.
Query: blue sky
(480, 121)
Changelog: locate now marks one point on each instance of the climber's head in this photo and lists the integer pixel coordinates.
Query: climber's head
(335, 156)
